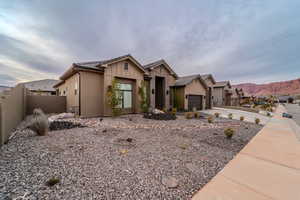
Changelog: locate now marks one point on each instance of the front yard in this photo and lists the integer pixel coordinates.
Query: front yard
(124, 158)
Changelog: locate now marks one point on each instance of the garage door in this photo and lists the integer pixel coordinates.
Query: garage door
(195, 101)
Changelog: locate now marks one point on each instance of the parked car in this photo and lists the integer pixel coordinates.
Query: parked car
(286, 115)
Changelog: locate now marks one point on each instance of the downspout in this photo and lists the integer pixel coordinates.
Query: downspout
(79, 94)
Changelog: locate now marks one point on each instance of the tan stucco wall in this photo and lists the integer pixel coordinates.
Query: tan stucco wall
(117, 70)
(194, 88)
(12, 111)
(69, 88)
(170, 80)
(49, 104)
(91, 93)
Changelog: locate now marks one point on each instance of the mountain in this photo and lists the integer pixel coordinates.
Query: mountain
(291, 87)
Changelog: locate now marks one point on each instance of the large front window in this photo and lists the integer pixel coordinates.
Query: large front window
(125, 92)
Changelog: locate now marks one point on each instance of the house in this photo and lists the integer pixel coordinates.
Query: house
(43, 87)
(222, 93)
(285, 99)
(236, 97)
(85, 85)
(160, 78)
(189, 93)
(210, 82)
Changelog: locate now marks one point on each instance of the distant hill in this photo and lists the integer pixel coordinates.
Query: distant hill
(2, 88)
(291, 87)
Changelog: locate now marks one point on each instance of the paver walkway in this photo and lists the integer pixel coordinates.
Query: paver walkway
(249, 116)
(267, 168)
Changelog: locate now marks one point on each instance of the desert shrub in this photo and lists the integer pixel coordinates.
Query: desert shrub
(188, 115)
(230, 115)
(143, 95)
(52, 182)
(165, 110)
(210, 119)
(242, 118)
(257, 121)
(39, 122)
(174, 111)
(196, 115)
(217, 115)
(114, 98)
(229, 132)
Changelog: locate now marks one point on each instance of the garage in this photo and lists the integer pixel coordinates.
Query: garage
(195, 101)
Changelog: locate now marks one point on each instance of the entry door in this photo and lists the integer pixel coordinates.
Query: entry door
(159, 92)
(195, 101)
(125, 92)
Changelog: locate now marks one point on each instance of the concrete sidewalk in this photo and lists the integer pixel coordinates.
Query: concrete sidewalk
(249, 116)
(267, 168)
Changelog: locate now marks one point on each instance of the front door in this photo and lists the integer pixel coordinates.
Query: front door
(159, 92)
(126, 96)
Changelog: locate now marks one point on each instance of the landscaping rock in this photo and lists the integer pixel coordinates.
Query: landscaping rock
(170, 182)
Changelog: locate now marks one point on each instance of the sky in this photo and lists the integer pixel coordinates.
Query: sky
(242, 41)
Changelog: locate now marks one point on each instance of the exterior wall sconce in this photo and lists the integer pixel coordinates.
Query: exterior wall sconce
(152, 91)
(167, 92)
(186, 96)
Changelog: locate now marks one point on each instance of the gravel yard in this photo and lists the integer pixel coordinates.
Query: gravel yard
(124, 158)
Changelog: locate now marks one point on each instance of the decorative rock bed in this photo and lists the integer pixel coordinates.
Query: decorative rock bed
(60, 125)
(160, 116)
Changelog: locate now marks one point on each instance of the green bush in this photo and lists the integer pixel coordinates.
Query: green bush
(52, 182)
(257, 121)
(217, 115)
(174, 111)
(114, 98)
(229, 132)
(210, 119)
(143, 95)
(39, 122)
(242, 118)
(230, 116)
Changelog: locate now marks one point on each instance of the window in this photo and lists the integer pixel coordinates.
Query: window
(125, 93)
(126, 66)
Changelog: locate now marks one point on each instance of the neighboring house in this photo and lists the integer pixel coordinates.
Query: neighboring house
(189, 93)
(285, 99)
(160, 78)
(4, 88)
(85, 85)
(41, 87)
(210, 82)
(236, 97)
(222, 93)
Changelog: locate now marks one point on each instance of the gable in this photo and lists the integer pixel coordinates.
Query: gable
(118, 69)
(195, 87)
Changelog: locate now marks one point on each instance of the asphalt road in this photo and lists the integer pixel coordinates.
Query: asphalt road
(294, 109)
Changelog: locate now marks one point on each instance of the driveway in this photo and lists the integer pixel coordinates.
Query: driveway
(249, 116)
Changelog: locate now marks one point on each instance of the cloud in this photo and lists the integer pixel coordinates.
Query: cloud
(235, 40)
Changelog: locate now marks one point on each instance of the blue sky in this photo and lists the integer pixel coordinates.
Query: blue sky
(237, 40)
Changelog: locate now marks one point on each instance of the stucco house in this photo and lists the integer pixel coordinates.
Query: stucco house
(85, 85)
(160, 78)
(189, 93)
(236, 97)
(222, 93)
(210, 82)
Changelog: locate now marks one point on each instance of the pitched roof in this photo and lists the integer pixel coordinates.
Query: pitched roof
(222, 84)
(157, 63)
(185, 80)
(41, 85)
(207, 76)
(98, 64)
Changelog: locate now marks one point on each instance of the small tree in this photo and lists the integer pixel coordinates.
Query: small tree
(143, 94)
(114, 97)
